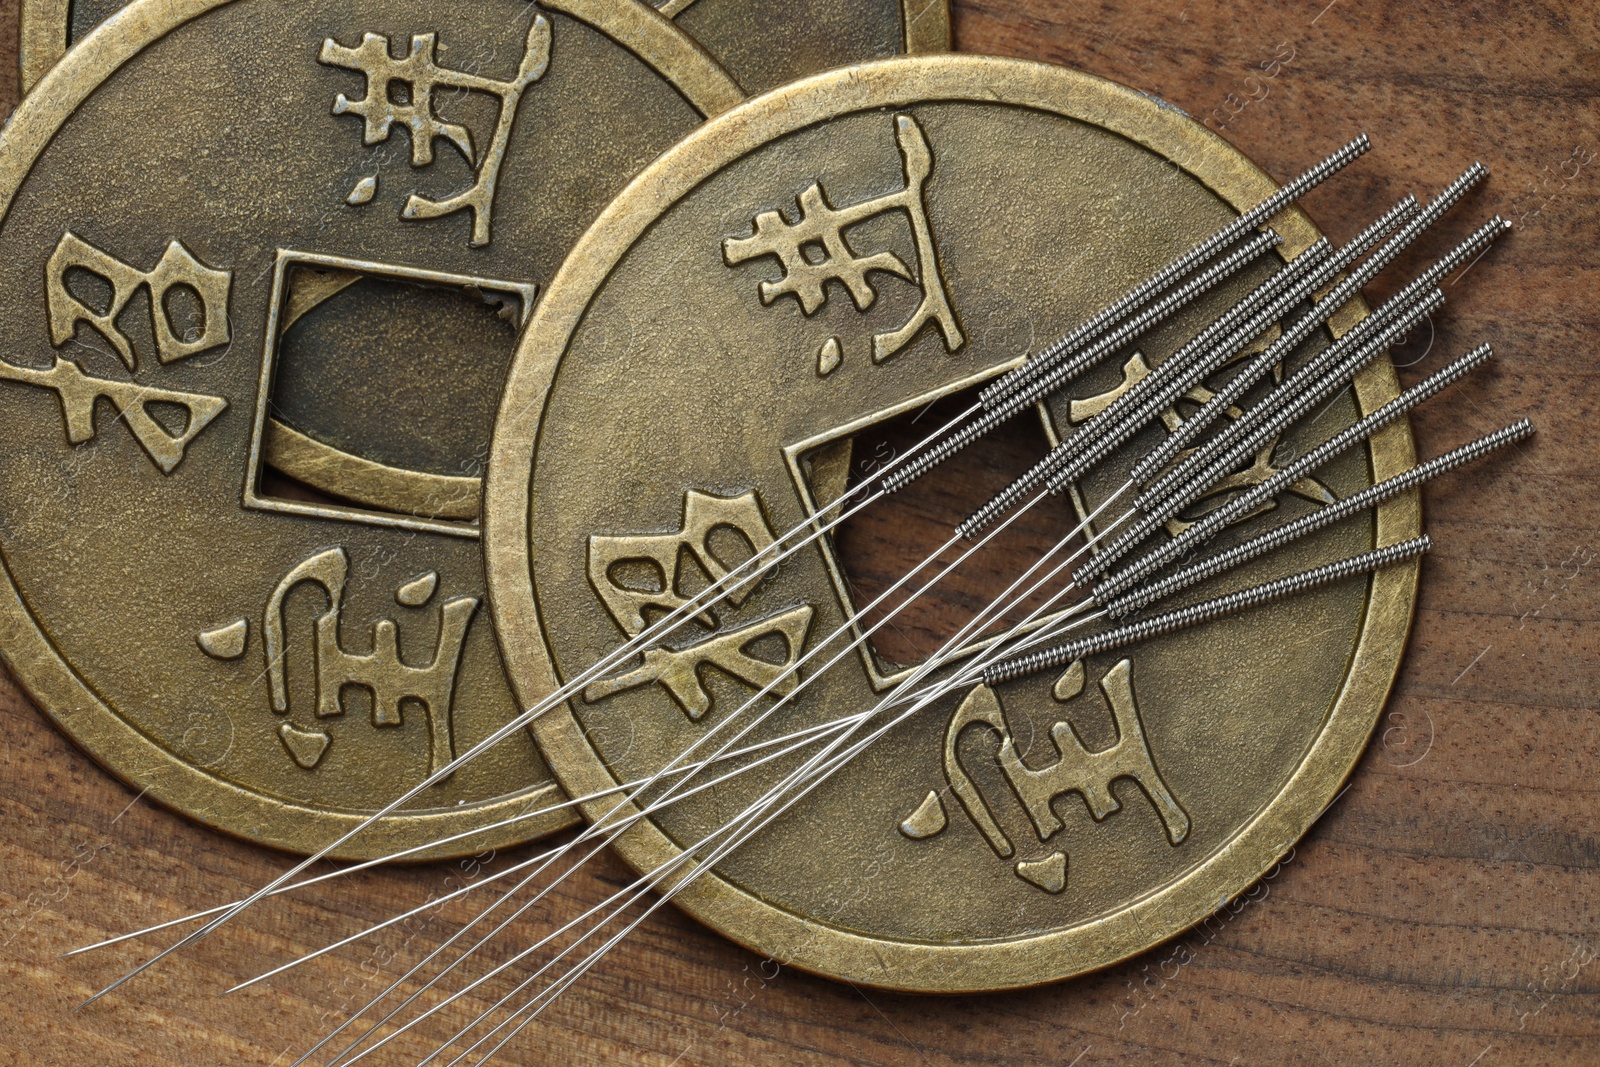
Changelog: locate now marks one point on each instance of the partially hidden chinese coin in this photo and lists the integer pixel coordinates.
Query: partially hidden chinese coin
(761, 43)
(260, 238)
(718, 353)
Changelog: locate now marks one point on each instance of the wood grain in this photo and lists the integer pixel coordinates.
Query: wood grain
(1445, 911)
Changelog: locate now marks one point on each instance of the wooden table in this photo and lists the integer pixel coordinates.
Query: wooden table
(1445, 911)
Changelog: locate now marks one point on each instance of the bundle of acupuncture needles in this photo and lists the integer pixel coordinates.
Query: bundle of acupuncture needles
(1123, 568)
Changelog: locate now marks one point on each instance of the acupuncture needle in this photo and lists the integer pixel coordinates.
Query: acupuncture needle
(1373, 560)
(1281, 198)
(1388, 555)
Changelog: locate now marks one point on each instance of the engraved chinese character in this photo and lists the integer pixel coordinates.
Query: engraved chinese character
(177, 267)
(1077, 769)
(642, 578)
(401, 89)
(814, 250)
(79, 391)
(392, 682)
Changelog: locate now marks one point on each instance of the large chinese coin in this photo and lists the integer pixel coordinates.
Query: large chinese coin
(303, 236)
(739, 332)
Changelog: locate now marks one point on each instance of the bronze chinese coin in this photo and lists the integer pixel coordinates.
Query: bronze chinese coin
(266, 237)
(754, 323)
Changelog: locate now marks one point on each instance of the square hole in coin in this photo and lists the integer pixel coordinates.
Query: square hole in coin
(379, 390)
(875, 547)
